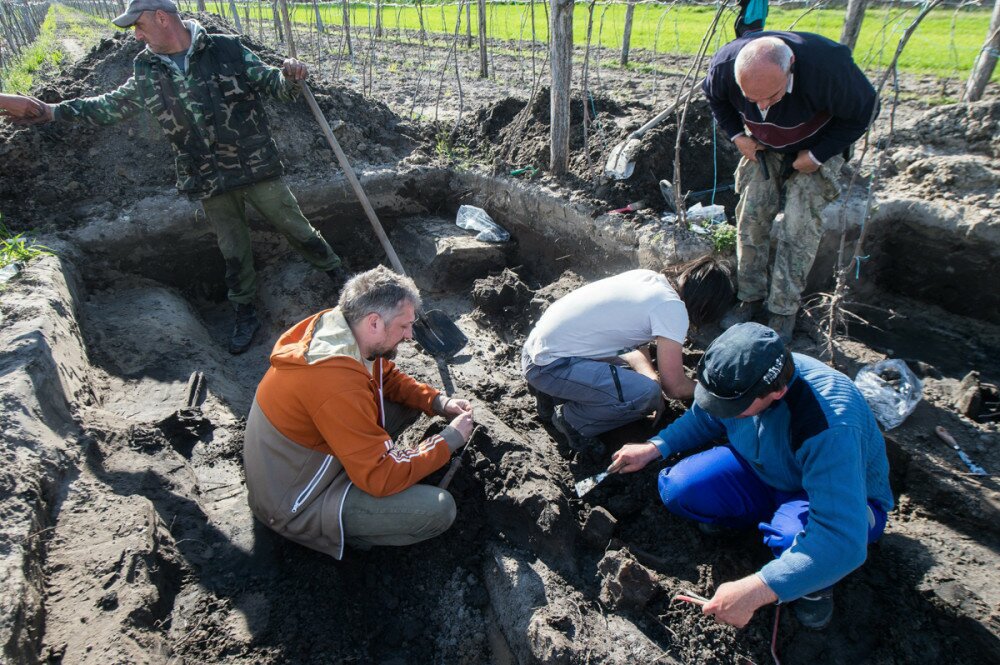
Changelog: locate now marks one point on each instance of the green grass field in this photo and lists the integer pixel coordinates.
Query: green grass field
(945, 44)
(46, 53)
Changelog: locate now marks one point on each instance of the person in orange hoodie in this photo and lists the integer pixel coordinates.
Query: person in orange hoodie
(322, 468)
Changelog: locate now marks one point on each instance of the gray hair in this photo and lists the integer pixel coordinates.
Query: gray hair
(377, 291)
(763, 51)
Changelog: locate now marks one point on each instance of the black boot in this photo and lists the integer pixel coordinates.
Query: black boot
(338, 276)
(247, 324)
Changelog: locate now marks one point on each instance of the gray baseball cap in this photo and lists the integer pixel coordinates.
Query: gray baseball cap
(137, 7)
(739, 366)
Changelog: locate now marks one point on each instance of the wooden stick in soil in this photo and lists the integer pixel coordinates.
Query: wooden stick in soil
(345, 165)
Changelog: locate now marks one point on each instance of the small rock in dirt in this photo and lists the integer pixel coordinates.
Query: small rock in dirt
(108, 601)
(599, 526)
(968, 396)
(495, 293)
(625, 583)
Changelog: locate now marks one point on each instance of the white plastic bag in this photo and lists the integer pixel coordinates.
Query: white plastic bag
(891, 389)
(713, 214)
(472, 218)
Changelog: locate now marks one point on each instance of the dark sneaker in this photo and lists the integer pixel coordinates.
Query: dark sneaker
(247, 325)
(713, 529)
(544, 406)
(815, 610)
(744, 312)
(784, 325)
(576, 441)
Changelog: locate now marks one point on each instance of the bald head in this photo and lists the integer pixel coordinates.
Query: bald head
(762, 69)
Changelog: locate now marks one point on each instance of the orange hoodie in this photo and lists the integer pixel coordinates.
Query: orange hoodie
(319, 394)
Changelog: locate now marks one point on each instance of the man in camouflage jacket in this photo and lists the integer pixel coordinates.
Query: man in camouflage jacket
(205, 92)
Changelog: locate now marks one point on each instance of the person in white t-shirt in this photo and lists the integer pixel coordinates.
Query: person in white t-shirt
(589, 352)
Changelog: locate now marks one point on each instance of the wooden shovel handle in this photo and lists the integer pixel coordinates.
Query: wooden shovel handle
(345, 165)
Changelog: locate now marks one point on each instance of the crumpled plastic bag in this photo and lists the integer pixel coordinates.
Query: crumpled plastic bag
(472, 218)
(712, 214)
(891, 389)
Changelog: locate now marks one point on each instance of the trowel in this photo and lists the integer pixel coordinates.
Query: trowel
(945, 436)
(590, 483)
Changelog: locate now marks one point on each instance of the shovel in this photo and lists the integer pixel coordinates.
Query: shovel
(621, 161)
(433, 330)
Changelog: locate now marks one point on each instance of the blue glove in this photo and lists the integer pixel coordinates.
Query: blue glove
(788, 522)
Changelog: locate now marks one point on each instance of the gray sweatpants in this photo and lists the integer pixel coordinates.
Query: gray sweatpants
(415, 514)
(597, 395)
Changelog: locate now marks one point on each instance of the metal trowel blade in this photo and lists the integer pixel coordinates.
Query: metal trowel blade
(588, 484)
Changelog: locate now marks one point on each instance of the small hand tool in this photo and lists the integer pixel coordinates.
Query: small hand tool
(945, 436)
(631, 207)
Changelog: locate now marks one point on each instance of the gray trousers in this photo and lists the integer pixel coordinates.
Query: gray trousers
(597, 395)
(415, 514)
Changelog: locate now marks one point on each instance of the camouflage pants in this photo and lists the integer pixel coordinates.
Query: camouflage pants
(798, 235)
(226, 213)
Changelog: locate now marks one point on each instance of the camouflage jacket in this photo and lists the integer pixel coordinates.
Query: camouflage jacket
(212, 114)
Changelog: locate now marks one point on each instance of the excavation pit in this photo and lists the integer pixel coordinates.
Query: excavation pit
(137, 523)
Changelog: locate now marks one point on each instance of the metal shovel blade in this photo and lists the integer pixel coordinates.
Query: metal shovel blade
(621, 161)
(588, 484)
(438, 335)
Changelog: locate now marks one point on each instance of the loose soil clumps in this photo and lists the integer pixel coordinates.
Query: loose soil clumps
(76, 171)
(126, 533)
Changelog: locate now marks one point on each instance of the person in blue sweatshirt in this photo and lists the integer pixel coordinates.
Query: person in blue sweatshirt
(792, 103)
(805, 463)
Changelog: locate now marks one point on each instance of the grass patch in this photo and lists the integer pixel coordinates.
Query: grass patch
(723, 238)
(946, 43)
(18, 248)
(46, 54)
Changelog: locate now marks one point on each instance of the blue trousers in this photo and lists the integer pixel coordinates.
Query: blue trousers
(720, 487)
(597, 395)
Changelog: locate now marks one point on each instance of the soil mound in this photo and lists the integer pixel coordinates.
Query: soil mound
(72, 167)
(512, 134)
(961, 127)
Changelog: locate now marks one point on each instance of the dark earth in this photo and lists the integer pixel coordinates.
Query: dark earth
(126, 536)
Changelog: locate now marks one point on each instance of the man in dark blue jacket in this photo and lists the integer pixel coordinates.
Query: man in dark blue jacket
(793, 103)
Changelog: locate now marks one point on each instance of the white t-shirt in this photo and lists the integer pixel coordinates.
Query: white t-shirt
(607, 318)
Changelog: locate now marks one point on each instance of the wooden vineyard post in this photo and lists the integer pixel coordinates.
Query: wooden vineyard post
(278, 28)
(201, 6)
(320, 28)
(484, 69)
(561, 52)
(468, 24)
(378, 19)
(852, 22)
(986, 61)
(347, 27)
(627, 37)
(236, 16)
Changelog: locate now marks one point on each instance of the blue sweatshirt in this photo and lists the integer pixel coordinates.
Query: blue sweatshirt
(828, 108)
(822, 438)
